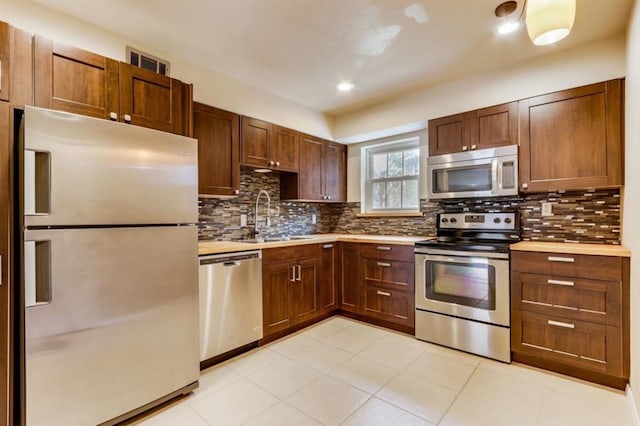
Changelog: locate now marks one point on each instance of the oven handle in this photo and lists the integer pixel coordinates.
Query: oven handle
(464, 254)
(457, 259)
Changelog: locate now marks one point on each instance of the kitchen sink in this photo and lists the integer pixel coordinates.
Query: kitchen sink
(275, 239)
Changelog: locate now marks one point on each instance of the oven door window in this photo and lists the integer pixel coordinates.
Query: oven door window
(462, 179)
(468, 284)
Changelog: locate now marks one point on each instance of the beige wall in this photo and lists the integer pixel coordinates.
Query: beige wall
(569, 68)
(631, 218)
(209, 87)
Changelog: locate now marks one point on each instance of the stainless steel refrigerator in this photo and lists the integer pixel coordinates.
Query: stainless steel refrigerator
(109, 267)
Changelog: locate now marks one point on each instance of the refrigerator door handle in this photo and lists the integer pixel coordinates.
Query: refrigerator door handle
(37, 273)
(37, 182)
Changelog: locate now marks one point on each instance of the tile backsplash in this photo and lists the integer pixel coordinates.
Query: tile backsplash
(579, 216)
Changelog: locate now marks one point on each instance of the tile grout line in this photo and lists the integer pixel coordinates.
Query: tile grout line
(458, 394)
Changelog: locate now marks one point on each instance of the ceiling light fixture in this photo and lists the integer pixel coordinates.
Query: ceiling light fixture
(548, 21)
(345, 86)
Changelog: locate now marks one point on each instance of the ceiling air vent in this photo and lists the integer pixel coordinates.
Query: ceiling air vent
(141, 59)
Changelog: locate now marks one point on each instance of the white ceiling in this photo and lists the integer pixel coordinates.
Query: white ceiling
(300, 49)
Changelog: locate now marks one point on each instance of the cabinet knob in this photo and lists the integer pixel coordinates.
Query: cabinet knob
(277, 163)
(525, 185)
(328, 197)
(237, 191)
(127, 118)
(464, 147)
(271, 163)
(113, 115)
(474, 146)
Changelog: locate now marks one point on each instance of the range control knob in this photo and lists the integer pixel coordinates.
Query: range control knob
(507, 220)
(453, 220)
(497, 220)
(444, 220)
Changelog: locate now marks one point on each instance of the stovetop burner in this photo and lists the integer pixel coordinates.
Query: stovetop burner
(488, 232)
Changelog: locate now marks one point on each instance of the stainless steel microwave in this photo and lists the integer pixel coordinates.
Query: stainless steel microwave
(489, 172)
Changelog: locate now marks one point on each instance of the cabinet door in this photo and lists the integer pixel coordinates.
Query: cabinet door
(5, 319)
(305, 290)
(74, 80)
(150, 99)
(334, 162)
(310, 185)
(350, 277)
(584, 345)
(217, 132)
(277, 279)
(286, 149)
(5, 56)
(449, 134)
(255, 141)
(389, 274)
(496, 126)
(22, 72)
(389, 305)
(571, 139)
(327, 283)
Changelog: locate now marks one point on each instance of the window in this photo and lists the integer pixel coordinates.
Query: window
(391, 177)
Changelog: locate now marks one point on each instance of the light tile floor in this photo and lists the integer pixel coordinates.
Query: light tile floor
(343, 372)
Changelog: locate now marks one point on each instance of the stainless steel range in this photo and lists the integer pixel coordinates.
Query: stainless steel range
(462, 283)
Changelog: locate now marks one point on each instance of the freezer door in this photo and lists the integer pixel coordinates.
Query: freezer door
(86, 171)
(111, 322)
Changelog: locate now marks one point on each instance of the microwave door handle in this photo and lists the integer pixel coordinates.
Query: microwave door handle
(494, 176)
(500, 177)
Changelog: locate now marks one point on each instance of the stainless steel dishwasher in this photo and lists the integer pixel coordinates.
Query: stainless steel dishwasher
(230, 301)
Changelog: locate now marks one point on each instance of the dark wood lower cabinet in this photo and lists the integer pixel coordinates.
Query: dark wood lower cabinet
(389, 305)
(327, 288)
(350, 277)
(291, 283)
(570, 314)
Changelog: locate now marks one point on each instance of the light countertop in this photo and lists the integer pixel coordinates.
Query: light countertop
(216, 247)
(573, 248)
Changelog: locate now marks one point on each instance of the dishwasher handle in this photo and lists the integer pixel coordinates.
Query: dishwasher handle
(230, 259)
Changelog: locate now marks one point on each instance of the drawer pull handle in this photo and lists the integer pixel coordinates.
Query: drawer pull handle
(384, 264)
(561, 324)
(328, 246)
(383, 293)
(560, 282)
(561, 259)
(385, 248)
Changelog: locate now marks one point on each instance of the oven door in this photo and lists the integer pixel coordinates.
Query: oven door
(464, 284)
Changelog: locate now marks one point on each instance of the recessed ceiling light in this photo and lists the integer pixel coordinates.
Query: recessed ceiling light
(345, 86)
(508, 27)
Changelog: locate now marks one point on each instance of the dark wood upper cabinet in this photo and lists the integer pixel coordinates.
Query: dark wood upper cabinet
(286, 149)
(334, 173)
(74, 80)
(5, 58)
(217, 132)
(81, 82)
(266, 145)
(479, 129)
(572, 139)
(310, 185)
(322, 175)
(495, 126)
(256, 138)
(150, 99)
(449, 134)
(22, 65)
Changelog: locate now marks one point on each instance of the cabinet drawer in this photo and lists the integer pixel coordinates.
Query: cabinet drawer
(387, 252)
(568, 265)
(574, 298)
(389, 305)
(390, 274)
(586, 345)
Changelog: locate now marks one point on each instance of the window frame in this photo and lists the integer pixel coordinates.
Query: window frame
(397, 145)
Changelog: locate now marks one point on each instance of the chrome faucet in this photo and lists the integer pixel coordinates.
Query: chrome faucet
(256, 226)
